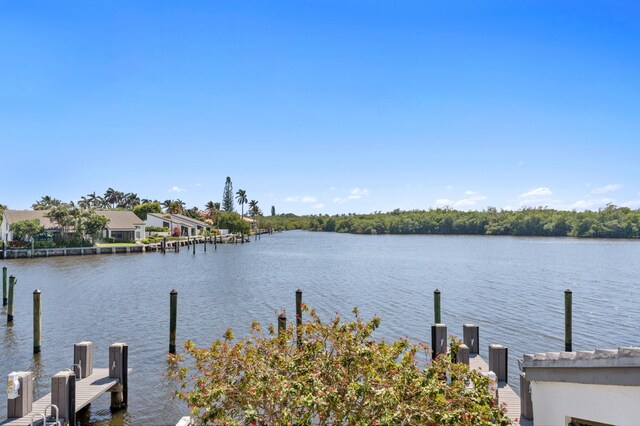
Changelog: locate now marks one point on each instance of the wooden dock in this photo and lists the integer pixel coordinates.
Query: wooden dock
(87, 391)
(506, 395)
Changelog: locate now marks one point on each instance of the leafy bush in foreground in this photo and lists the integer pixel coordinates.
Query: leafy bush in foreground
(339, 375)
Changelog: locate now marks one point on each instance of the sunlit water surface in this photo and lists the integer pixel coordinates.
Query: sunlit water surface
(511, 287)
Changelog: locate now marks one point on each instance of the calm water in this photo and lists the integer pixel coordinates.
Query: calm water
(511, 287)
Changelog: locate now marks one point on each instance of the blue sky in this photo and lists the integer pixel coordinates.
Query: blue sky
(323, 106)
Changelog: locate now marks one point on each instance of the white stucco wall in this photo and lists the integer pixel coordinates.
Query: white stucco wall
(556, 403)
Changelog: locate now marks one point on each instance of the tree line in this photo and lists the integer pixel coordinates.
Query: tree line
(609, 222)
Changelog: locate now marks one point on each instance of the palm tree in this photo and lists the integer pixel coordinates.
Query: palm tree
(84, 203)
(241, 197)
(253, 207)
(46, 203)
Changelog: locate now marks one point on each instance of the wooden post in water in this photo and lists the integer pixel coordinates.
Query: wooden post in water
(4, 286)
(164, 245)
(568, 344)
(118, 367)
(194, 246)
(298, 316)
(282, 323)
(498, 361)
(436, 307)
(37, 322)
(205, 243)
(471, 338)
(173, 313)
(12, 284)
(438, 340)
(215, 242)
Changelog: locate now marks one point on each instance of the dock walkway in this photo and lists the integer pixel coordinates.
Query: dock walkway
(87, 391)
(506, 395)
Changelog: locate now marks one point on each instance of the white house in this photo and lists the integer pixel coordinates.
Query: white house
(122, 225)
(582, 388)
(13, 216)
(188, 227)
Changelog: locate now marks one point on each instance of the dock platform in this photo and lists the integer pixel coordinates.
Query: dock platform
(87, 391)
(506, 394)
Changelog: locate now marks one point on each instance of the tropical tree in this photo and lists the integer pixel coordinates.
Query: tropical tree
(62, 216)
(174, 206)
(24, 230)
(3, 207)
(241, 197)
(142, 210)
(227, 196)
(46, 202)
(93, 224)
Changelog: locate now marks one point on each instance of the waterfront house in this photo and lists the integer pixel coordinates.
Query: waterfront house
(122, 225)
(188, 226)
(582, 388)
(12, 216)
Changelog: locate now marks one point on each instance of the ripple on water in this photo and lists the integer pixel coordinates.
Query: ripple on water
(511, 287)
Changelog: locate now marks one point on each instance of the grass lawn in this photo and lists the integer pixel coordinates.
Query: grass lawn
(116, 245)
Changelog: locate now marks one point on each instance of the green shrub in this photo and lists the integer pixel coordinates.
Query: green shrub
(44, 244)
(339, 375)
(157, 229)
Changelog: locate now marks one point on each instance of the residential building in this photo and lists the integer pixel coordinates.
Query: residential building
(187, 226)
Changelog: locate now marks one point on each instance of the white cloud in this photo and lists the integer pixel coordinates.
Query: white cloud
(318, 206)
(339, 200)
(357, 193)
(470, 201)
(198, 184)
(632, 204)
(304, 199)
(607, 188)
(448, 187)
(465, 203)
(176, 189)
(470, 192)
(442, 202)
(538, 192)
(333, 188)
(590, 204)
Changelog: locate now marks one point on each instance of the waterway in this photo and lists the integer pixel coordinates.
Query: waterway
(513, 288)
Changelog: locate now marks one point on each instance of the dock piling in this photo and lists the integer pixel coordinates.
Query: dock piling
(436, 307)
(37, 321)
(282, 323)
(298, 316)
(118, 367)
(4, 286)
(12, 284)
(471, 337)
(173, 311)
(498, 361)
(568, 344)
(194, 246)
(462, 356)
(63, 395)
(83, 358)
(438, 340)
(23, 404)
